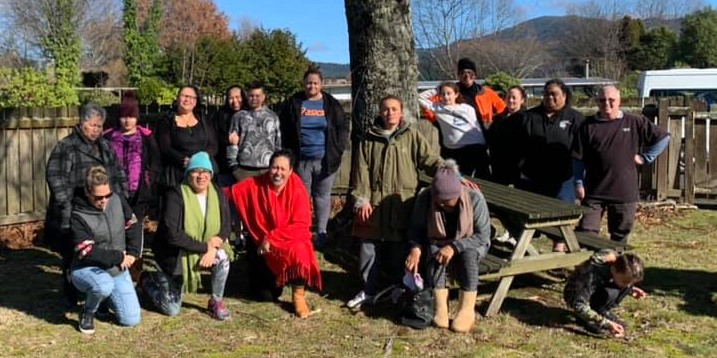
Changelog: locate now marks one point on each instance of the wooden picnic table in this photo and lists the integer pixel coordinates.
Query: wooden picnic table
(532, 211)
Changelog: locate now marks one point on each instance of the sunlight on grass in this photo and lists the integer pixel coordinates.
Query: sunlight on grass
(677, 320)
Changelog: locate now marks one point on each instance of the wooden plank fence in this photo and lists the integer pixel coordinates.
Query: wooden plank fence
(27, 137)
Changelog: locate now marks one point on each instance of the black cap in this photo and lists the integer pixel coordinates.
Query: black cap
(466, 64)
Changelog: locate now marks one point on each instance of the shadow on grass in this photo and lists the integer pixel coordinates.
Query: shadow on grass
(695, 287)
(535, 313)
(31, 284)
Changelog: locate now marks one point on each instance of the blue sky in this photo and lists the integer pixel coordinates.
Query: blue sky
(320, 25)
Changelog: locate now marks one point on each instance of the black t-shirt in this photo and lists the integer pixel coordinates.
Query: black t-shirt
(608, 148)
(545, 146)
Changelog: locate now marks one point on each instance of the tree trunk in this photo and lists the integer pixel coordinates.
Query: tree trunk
(383, 58)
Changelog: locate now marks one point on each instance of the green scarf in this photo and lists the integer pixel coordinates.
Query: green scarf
(199, 228)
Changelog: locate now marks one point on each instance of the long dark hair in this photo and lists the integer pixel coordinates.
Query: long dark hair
(200, 103)
(226, 106)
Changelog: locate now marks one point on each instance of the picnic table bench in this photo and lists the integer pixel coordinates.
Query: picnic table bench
(589, 240)
(491, 264)
(533, 212)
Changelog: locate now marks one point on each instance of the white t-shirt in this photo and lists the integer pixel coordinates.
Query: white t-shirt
(202, 198)
(459, 123)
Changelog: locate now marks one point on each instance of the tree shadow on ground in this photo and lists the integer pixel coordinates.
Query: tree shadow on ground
(32, 284)
(540, 311)
(535, 312)
(695, 287)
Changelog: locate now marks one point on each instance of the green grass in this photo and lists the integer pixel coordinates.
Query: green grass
(679, 318)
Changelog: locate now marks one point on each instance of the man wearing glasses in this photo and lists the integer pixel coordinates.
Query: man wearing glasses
(607, 150)
(486, 102)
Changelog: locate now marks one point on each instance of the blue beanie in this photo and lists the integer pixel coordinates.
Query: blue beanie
(199, 160)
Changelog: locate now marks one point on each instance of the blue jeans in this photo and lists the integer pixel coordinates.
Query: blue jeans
(99, 285)
(318, 183)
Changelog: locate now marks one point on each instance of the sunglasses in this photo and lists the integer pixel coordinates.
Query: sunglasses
(101, 197)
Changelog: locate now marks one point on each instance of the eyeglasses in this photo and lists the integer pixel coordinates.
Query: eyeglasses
(101, 197)
(187, 96)
(609, 100)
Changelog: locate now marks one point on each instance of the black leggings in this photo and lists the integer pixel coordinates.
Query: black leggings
(262, 282)
(472, 160)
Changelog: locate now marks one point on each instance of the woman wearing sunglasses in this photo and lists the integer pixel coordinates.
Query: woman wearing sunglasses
(107, 240)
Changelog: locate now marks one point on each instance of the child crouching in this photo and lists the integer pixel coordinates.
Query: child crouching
(599, 285)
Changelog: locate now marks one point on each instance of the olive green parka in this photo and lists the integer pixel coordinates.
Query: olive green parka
(387, 177)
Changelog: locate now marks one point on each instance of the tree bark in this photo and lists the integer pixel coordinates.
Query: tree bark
(383, 58)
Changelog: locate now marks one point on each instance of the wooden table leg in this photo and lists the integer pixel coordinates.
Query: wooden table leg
(570, 239)
(523, 243)
(499, 295)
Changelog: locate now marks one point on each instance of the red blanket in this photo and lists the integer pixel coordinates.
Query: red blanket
(284, 219)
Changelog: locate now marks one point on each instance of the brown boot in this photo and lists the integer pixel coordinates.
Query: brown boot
(466, 316)
(298, 297)
(440, 300)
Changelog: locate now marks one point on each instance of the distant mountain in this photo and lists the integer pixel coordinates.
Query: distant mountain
(554, 28)
(559, 36)
(334, 70)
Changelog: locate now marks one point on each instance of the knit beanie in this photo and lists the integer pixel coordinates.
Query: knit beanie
(199, 160)
(466, 64)
(129, 106)
(446, 183)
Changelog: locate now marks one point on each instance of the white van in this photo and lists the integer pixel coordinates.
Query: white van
(701, 83)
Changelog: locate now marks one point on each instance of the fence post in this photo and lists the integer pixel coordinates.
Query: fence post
(661, 170)
(690, 158)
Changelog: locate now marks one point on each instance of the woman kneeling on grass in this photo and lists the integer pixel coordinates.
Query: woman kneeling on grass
(275, 209)
(107, 240)
(451, 223)
(192, 236)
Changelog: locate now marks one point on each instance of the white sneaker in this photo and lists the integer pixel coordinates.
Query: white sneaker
(506, 239)
(359, 299)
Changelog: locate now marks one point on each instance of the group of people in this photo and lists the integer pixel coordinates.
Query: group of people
(206, 177)
(251, 170)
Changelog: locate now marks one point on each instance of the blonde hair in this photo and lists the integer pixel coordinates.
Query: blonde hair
(96, 176)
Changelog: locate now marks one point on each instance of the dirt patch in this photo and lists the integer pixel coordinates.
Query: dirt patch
(649, 215)
(21, 236)
(26, 235)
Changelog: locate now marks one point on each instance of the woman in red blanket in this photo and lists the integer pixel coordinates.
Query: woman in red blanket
(275, 209)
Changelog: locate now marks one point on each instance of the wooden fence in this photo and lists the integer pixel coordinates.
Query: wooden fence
(27, 137)
(685, 171)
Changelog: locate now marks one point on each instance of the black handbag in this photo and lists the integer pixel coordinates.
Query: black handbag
(418, 310)
(418, 307)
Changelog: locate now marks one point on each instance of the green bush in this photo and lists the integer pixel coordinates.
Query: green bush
(155, 90)
(27, 87)
(103, 98)
(501, 81)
